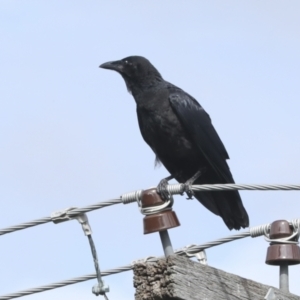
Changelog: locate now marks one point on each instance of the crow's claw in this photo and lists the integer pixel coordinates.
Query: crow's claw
(162, 189)
(188, 191)
(188, 183)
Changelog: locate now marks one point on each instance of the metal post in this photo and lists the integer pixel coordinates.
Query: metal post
(284, 277)
(166, 242)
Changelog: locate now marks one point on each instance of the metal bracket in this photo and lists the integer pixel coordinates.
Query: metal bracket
(147, 259)
(83, 220)
(270, 295)
(100, 289)
(63, 216)
(202, 258)
(200, 255)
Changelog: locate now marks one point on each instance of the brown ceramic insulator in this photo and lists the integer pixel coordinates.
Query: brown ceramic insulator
(150, 198)
(282, 253)
(160, 221)
(280, 229)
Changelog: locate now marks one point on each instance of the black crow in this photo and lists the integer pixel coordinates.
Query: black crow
(181, 134)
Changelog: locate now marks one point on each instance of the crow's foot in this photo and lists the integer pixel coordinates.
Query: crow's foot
(189, 182)
(162, 188)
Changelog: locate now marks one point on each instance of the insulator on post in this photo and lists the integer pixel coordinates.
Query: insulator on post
(280, 252)
(158, 220)
(283, 250)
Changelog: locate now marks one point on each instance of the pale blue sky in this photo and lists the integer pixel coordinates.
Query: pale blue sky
(69, 133)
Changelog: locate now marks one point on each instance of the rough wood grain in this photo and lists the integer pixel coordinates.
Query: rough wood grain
(178, 278)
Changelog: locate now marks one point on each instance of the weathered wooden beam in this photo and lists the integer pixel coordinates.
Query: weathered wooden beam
(178, 278)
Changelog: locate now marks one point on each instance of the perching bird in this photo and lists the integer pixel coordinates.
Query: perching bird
(181, 134)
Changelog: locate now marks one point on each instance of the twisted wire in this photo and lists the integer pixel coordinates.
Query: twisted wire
(131, 196)
(100, 288)
(135, 196)
(245, 187)
(64, 283)
(25, 225)
(167, 205)
(259, 230)
(296, 224)
(193, 249)
(72, 213)
(99, 205)
(183, 252)
(186, 251)
(175, 189)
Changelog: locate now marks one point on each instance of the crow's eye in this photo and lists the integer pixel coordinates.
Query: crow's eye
(128, 63)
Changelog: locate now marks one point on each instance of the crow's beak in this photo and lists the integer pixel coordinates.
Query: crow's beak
(113, 65)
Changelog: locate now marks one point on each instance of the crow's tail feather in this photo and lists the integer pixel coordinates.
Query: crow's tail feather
(226, 204)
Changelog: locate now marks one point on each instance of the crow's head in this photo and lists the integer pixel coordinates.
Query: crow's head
(137, 71)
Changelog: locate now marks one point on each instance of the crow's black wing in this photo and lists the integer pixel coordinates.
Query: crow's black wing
(198, 126)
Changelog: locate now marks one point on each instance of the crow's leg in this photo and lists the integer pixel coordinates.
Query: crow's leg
(190, 181)
(162, 188)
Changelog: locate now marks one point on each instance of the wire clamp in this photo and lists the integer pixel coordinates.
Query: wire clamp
(83, 220)
(100, 289)
(61, 215)
(270, 295)
(292, 238)
(148, 259)
(200, 255)
(131, 197)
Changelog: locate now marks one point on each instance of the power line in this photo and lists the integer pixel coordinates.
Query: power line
(71, 214)
(134, 196)
(188, 251)
(59, 284)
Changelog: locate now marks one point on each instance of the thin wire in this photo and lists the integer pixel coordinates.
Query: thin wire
(95, 257)
(98, 289)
